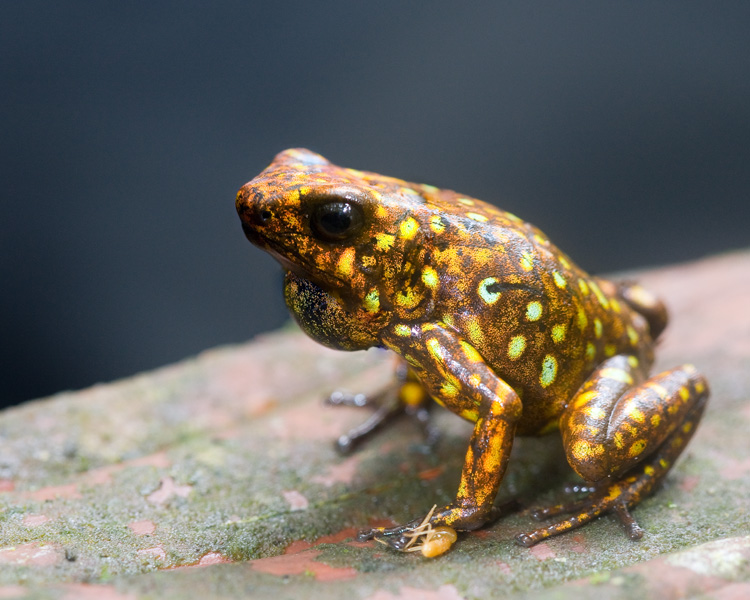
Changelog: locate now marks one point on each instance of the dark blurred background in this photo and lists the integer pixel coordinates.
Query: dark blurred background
(622, 129)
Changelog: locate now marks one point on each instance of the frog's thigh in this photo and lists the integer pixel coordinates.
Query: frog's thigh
(616, 419)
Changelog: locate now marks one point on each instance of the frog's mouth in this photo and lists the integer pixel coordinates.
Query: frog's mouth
(254, 237)
(266, 245)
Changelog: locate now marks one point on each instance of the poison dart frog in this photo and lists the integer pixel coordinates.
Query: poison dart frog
(491, 321)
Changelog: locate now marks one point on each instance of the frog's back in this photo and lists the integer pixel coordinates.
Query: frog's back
(541, 322)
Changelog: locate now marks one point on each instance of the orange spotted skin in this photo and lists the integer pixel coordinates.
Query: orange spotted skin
(496, 323)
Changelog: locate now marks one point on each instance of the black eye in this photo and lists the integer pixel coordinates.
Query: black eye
(336, 221)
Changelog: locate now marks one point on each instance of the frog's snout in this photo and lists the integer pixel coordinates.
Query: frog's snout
(252, 208)
(254, 223)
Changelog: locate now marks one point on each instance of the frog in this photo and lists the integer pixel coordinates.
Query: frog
(489, 320)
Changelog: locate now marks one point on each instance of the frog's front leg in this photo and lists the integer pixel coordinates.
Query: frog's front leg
(622, 434)
(457, 377)
(404, 396)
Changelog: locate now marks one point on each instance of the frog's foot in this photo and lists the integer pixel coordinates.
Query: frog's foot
(415, 536)
(613, 498)
(385, 412)
(403, 397)
(436, 532)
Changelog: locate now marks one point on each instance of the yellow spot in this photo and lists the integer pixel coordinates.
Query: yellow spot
(372, 301)
(633, 361)
(368, 261)
(408, 228)
(475, 331)
(471, 353)
(699, 387)
(409, 191)
(641, 296)
(559, 280)
(609, 350)
(470, 414)
(407, 298)
(615, 491)
(448, 390)
(412, 361)
(590, 351)
(466, 201)
(655, 420)
(558, 332)
(584, 398)
(430, 188)
(663, 463)
(583, 451)
(583, 286)
(435, 349)
(411, 393)
(617, 438)
(583, 320)
(384, 241)
(549, 371)
(356, 173)
(637, 447)
(617, 375)
(513, 217)
(660, 391)
(516, 347)
(475, 379)
(436, 224)
(684, 393)
(649, 471)
(430, 277)
(476, 217)
(637, 415)
(345, 265)
(632, 335)
(448, 320)
(527, 261)
(564, 262)
(534, 310)
(489, 297)
(381, 212)
(402, 330)
(615, 305)
(597, 328)
(595, 412)
(599, 295)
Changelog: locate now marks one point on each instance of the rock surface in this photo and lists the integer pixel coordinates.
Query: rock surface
(216, 477)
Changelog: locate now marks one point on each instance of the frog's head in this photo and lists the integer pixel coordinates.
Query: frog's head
(352, 233)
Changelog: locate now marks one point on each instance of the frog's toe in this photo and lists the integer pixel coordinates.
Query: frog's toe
(615, 497)
(397, 538)
(632, 529)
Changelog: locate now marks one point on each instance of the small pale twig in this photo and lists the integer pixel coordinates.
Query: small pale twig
(424, 528)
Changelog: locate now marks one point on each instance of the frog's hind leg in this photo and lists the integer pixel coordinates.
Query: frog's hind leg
(646, 304)
(624, 438)
(403, 396)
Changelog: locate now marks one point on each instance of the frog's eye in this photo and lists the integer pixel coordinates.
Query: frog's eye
(336, 221)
